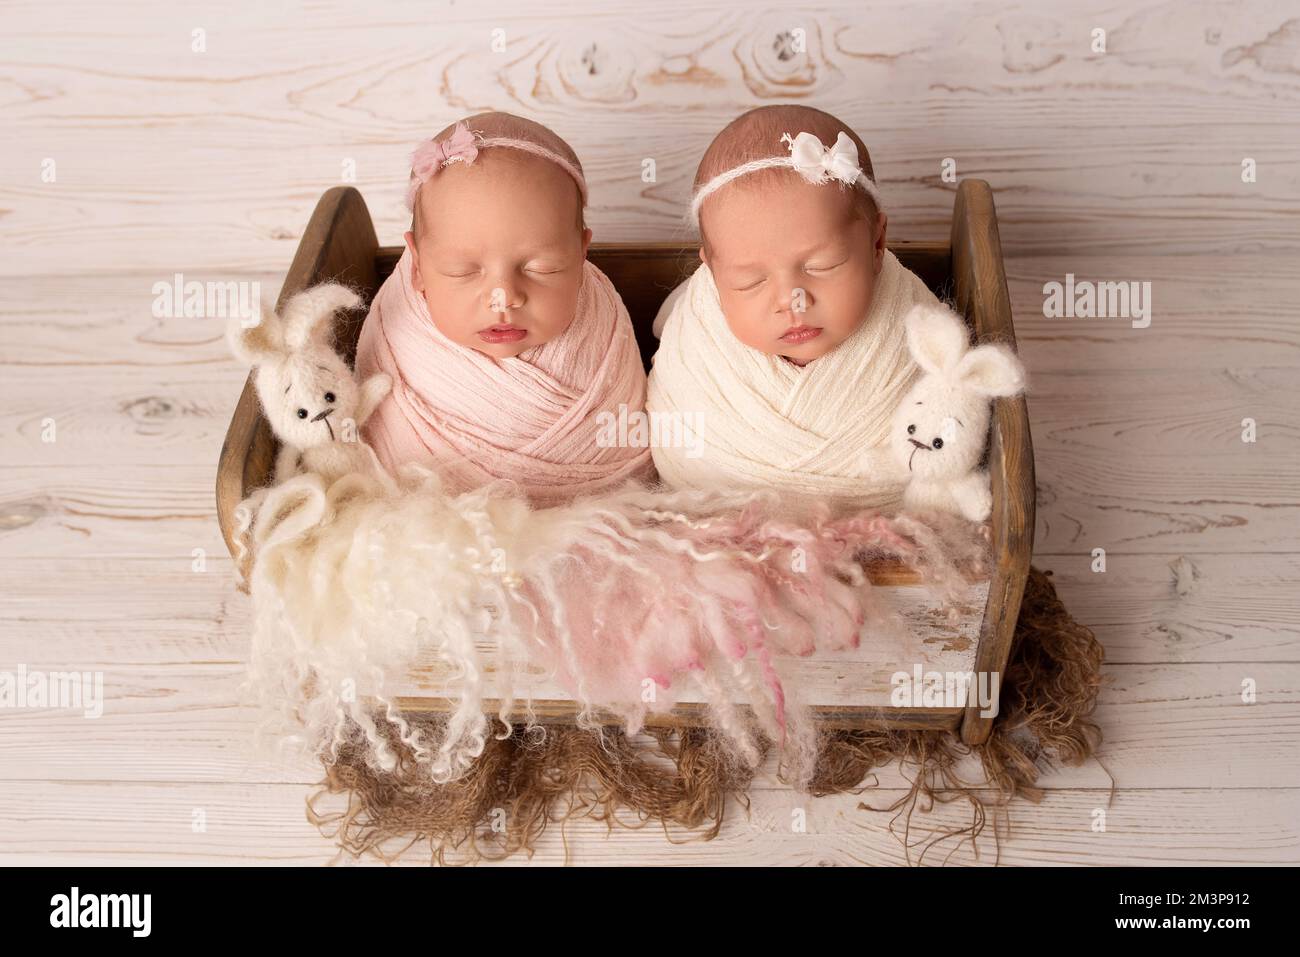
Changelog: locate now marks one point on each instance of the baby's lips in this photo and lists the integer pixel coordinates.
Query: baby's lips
(801, 333)
(503, 333)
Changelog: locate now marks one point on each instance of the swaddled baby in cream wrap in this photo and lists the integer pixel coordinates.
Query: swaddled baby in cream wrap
(786, 348)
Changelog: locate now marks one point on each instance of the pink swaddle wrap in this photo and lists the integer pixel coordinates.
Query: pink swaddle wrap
(531, 418)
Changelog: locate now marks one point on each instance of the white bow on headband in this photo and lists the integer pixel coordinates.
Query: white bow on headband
(817, 163)
(810, 159)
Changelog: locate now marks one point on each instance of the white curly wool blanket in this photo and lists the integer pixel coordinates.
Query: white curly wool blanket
(630, 599)
(763, 422)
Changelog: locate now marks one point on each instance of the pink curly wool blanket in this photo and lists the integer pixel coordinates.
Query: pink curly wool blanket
(632, 600)
(531, 418)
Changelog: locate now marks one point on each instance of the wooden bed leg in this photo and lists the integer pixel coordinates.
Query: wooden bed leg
(980, 289)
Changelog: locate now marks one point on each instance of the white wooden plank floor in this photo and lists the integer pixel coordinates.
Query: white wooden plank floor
(129, 155)
(98, 532)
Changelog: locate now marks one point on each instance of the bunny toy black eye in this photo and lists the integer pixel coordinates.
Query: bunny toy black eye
(302, 413)
(329, 396)
(911, 430)
(937, 443)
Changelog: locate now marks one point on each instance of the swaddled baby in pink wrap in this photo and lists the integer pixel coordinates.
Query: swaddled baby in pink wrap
(504, 343)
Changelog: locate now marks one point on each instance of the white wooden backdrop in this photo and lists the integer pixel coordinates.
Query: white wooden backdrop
(1122, 165)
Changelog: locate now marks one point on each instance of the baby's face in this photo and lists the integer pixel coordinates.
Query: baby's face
(499, 259)
(786, 246)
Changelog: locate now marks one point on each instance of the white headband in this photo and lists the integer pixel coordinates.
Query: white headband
(808, 158)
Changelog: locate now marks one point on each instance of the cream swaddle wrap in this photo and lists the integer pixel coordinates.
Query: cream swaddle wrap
(820, 430)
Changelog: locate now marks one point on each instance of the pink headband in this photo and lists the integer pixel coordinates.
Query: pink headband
(462, 146)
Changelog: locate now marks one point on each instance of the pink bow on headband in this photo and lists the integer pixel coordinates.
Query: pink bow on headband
(432, 155)
(463, 146)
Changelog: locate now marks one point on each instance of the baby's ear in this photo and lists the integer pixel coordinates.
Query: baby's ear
(305, 315)
(936, 337)
(992, 370)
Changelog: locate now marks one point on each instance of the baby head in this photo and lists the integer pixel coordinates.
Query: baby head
(795, 261)
(498, 240)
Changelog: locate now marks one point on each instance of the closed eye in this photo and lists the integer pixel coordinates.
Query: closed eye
(753, 285)
(817, 267)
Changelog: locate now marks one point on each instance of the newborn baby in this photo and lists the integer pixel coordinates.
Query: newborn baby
(787, 345)
(503, 341)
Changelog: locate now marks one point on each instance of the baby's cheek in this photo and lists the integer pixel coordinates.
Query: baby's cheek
(458, 311)
(747, 325)
(853, 301)
(559, 307)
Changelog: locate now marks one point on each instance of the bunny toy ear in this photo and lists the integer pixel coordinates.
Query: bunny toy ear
(936, 337)
(257, 344)
(290, 509)
(304, 314)
(992, 370)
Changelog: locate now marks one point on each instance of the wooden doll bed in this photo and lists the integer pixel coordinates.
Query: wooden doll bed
(849, 690)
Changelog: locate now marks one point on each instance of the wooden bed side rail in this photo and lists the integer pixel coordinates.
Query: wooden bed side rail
(339, 243)
(980, 290)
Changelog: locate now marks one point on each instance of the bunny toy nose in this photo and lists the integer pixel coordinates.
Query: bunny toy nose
(323, 416)
(919, 445)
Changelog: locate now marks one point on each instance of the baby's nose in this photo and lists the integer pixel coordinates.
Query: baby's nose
(798, 300)
(505, 297)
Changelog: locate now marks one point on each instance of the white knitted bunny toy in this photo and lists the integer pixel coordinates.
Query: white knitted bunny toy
(939, 429)
(308, 393)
